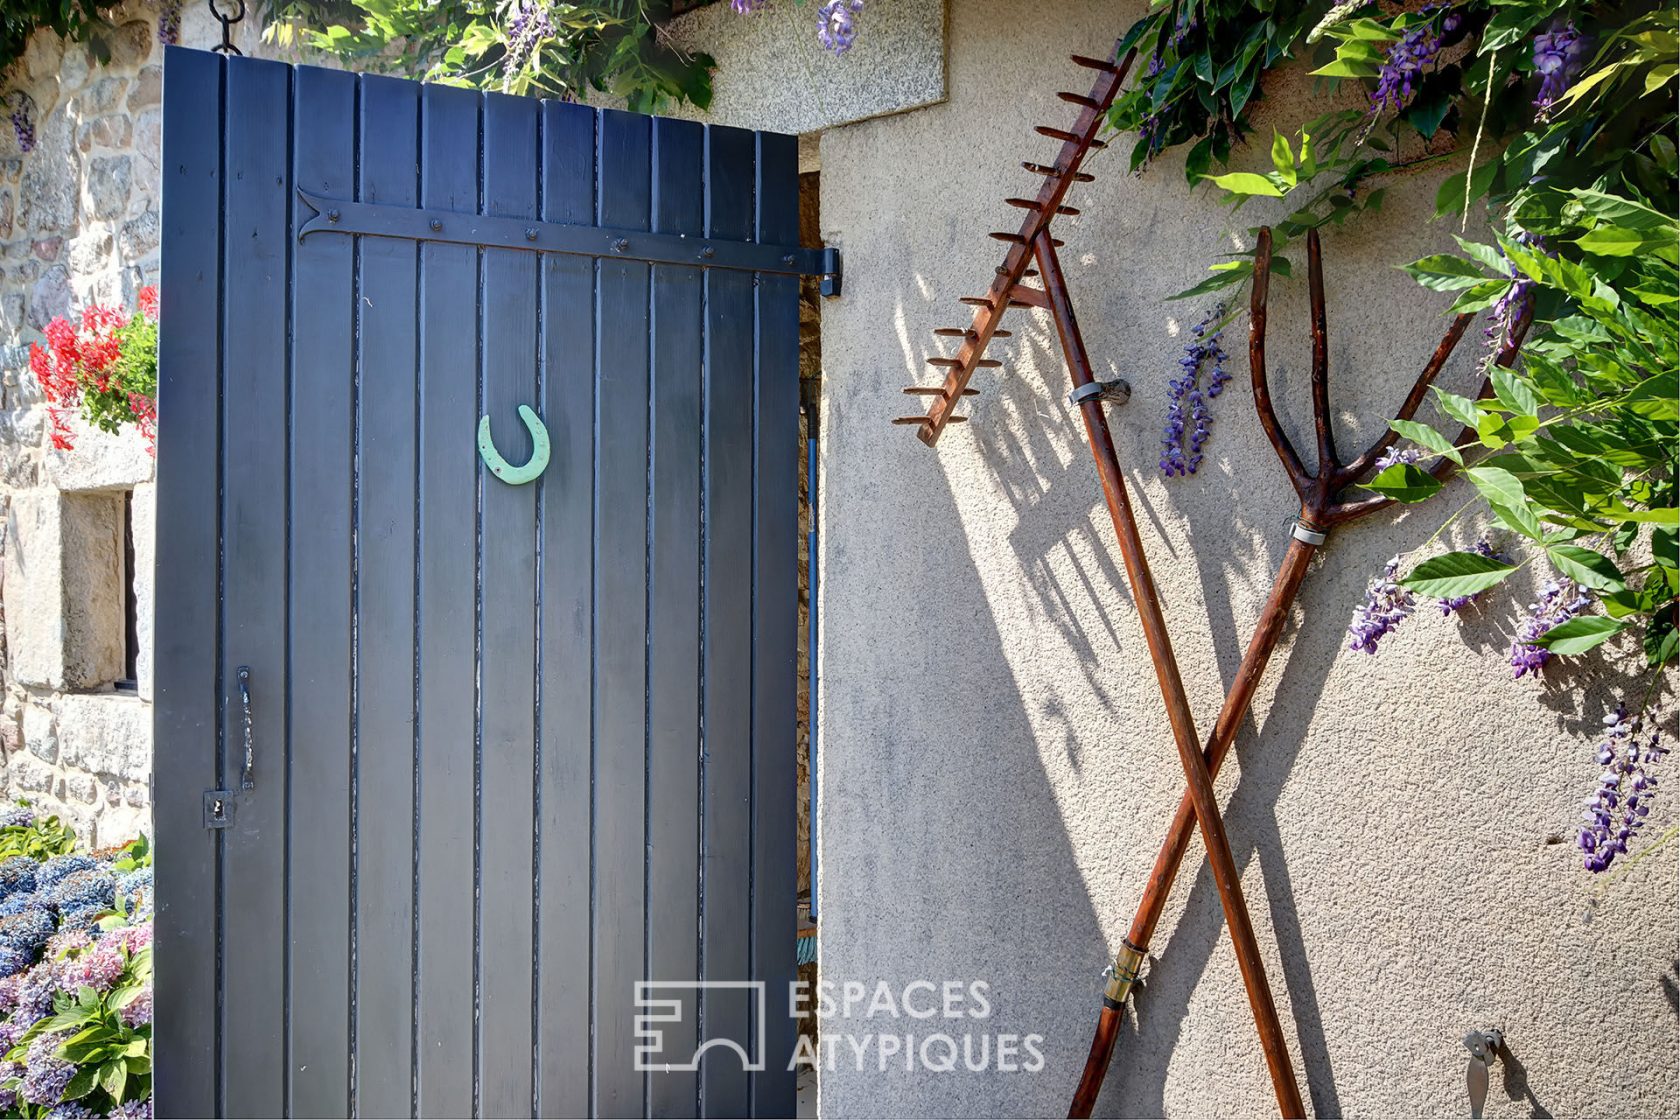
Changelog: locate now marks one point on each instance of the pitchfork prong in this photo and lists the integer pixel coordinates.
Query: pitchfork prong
(1343, 512)
(1298, 476)
(1322, 425)
(1414, 400)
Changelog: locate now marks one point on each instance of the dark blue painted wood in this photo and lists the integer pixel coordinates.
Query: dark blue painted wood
(518, 747)
(448, 625)
(255, 250)
(386, 383)
(673, 880)
(507, 624)
(184, 657)
(621, 511)
(775, 614)
(566, 582)
(319, 565)
(726, 758)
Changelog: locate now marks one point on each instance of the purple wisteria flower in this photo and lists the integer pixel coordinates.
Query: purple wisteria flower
(744, 6)
(23, 121)
(1559, 55)
(1619, 806)
(1510, 308)
(1456, 603)
(837, 24)
(1386, 605)
(1560, 600)
(1407, 57)
(1394, 456)
(169, 23)
(1188, 415)
(530, 26)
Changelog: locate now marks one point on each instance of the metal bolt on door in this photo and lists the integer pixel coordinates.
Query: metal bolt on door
(446, 764)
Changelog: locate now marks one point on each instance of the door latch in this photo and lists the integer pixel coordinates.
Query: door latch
(218, 808)
(1484, 1047)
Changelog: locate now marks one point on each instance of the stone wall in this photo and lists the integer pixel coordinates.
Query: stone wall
(78, 225)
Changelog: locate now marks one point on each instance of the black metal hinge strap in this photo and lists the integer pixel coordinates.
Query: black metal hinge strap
(489, 231)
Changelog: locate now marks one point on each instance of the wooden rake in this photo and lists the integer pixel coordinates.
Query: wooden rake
(1007, 291)
(1320, 511)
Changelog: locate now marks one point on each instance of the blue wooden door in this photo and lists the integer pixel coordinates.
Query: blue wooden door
(446, 765)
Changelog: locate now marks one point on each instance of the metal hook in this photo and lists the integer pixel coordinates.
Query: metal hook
(1484, 1047)
(500, 467)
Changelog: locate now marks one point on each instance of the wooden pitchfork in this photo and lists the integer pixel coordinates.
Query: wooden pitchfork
(1320, 512)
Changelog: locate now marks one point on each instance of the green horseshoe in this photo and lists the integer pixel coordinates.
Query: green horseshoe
(500, 467)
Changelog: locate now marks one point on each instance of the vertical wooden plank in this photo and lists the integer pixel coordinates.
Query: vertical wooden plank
(254, 350)
(508, 621)
(775, 623)
(448, 608)
(385, 692)
(319, 568)
(184, 708)
(566, 575)
(726, 863)
(673, 876)
(621, 419)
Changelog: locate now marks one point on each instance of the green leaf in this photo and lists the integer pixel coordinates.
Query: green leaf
(82, 1084)
(1514, 393)
(1612, 241)
(1444, 272)
(1500, 487)
(1519, 519)
(1456, 573)
(1246, 183)
(1462, 409)
(1283, 159)
(1425, 436)
(113, 1076)
(1578, 635)
(1590, 569)
(1404, 482)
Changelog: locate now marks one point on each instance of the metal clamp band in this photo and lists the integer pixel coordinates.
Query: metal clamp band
(1118, 391)
(1122, 974)
(1307, 536)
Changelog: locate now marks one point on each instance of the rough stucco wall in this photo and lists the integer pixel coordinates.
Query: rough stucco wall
(995, 770)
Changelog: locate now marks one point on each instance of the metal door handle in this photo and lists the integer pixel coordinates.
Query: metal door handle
(247, 774)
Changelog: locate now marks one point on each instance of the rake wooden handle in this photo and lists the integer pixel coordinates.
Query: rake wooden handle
(1200, 797)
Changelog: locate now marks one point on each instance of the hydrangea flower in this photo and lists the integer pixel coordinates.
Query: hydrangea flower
(1407, 56)
(837, 24)
(45, 1074)
(1188, 415)
(93, 889)
(745, 6)
(1386, 605)
(17, 816)
(99, 965)
(1560, 600)
(138, 1013)
(27, 931)
(17, 875)
(135, 1110)
(59, 868)
(1618, 808)
(1559, 54)
(1456, 603)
